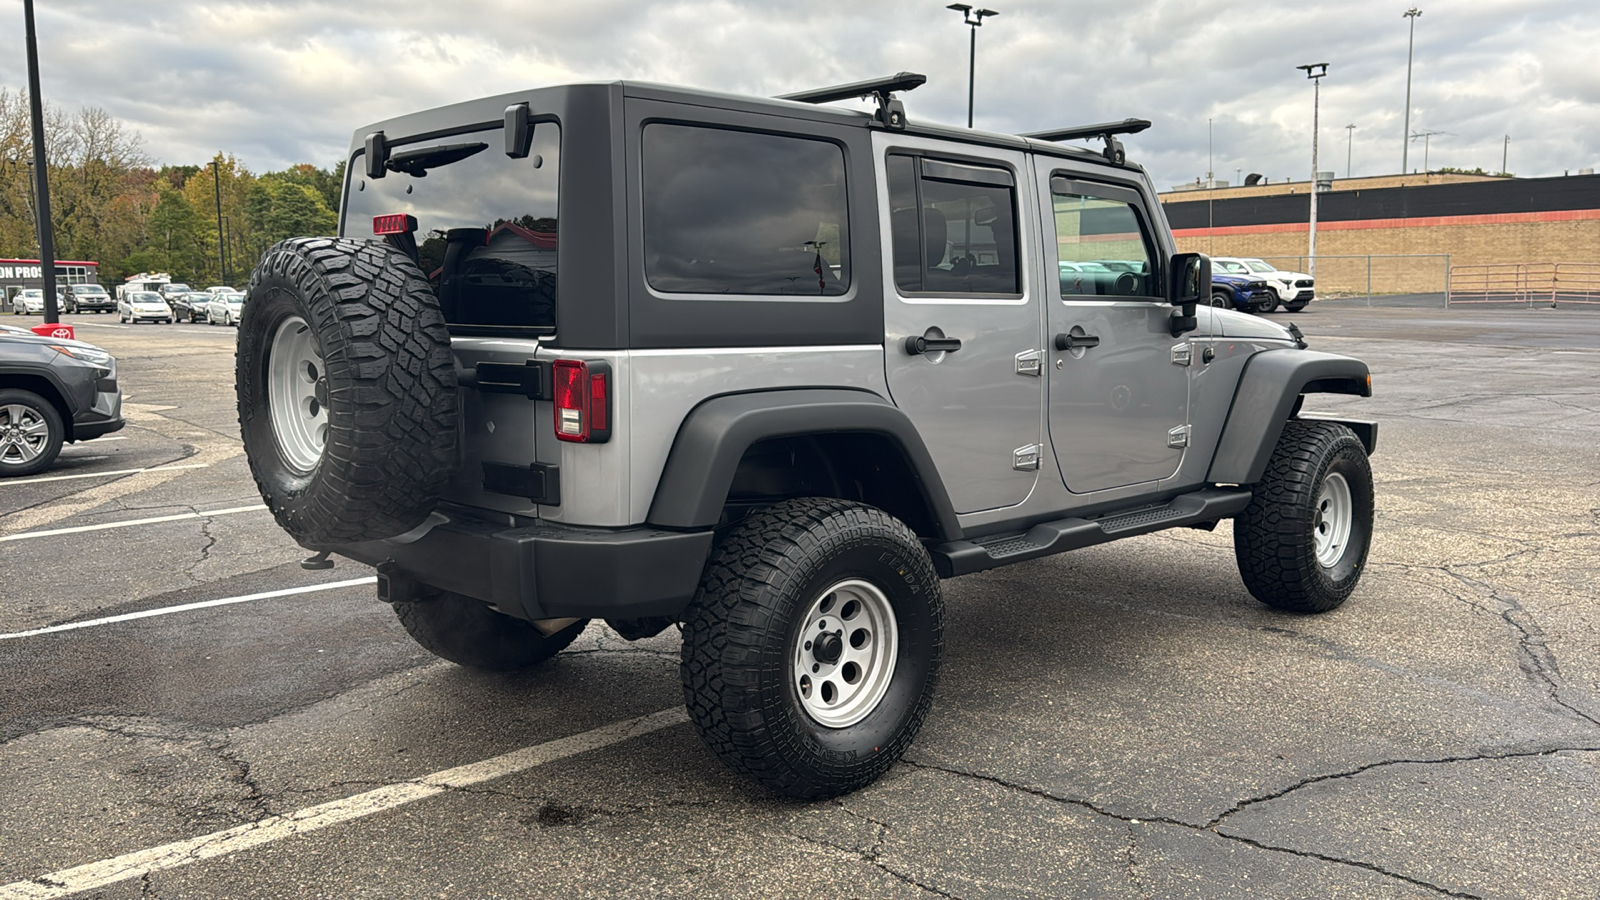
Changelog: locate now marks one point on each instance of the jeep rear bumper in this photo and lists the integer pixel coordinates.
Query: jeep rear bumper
(543, 571)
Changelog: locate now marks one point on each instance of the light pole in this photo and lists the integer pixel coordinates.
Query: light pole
(1349, 146)
(222, 248)
(1314, 71)
(41, 175)
(1505, 149)
(1411, 44)
(973, 17)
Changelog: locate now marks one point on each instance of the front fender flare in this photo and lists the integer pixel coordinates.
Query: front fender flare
(715, 435)
(1272, 382)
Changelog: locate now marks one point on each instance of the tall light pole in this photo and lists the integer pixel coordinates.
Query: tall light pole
(222, 248)
(1505, 149)
(1405, 143)
(973, 17)
(1314, 71)
(1349, 147)
(41, 174)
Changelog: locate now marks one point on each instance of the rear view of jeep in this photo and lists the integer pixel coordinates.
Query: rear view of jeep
(767, 370)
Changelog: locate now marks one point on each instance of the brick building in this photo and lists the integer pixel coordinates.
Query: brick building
(1467, 220)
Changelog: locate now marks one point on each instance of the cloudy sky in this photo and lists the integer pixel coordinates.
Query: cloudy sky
(276, 83)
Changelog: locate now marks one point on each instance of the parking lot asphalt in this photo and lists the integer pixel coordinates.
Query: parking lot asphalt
(1119, 721)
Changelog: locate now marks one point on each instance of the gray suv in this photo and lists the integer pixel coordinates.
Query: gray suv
(768, 371)
(52, 391)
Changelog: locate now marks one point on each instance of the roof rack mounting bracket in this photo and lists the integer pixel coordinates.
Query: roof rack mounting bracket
(891, 113)
(1105, 131)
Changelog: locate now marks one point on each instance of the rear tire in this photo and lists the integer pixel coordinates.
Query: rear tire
(1302, 542)
(31, 433)
(346, 390)
(469, 633)
(811, 650)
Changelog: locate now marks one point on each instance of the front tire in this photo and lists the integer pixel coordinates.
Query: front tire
(1302, 542)
(1296, 307)
(1220, 300)
(469, 633)
(812, 648)
(31, 433)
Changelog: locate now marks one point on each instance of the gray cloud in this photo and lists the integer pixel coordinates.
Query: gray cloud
(281, 82)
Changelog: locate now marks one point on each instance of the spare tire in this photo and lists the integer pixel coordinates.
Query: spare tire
(346, 389)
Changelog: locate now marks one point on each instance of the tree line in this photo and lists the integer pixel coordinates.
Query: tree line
(109, 204)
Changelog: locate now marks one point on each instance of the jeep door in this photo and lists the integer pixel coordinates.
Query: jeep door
(956, 287)
(1118, 379)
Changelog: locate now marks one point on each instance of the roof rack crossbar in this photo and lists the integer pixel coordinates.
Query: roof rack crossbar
(890, 111)
(1106, 131)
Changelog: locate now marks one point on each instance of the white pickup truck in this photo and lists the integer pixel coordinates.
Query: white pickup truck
(1294, 289)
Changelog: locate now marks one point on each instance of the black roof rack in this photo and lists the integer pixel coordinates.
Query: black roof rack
(890, 111)
(1106, 131)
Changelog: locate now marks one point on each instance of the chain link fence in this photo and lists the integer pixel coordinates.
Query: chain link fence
(1341, 277)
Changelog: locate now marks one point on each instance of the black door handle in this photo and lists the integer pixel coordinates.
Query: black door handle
(916, 344)
(1074, 341)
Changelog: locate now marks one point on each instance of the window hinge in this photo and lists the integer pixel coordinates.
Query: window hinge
(1025, 459)
(1182, 354)
(1030, 362)
(1178, 437)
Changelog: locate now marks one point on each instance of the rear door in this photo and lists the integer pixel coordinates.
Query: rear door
(957, 286)
(1119, 380)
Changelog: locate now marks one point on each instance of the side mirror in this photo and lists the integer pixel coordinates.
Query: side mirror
(1190, 279)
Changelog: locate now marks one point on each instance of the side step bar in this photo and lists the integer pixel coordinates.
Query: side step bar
(967, 556)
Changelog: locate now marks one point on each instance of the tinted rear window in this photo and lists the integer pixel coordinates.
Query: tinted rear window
(486, 227)
(738, 212)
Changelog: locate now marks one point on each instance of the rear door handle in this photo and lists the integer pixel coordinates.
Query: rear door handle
(918, 344)
(1074, 341)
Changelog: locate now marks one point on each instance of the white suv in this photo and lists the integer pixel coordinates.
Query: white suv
(1294, 289)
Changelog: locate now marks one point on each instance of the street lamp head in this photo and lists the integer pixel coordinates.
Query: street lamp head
(959, 7)
(1314, 70)
(1411, 13)
(985, 12)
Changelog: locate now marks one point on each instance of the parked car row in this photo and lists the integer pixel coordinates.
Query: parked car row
(1255, 285)
(214, 308)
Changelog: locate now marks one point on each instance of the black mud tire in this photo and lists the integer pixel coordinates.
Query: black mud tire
(37, 410)
(1274, 539)
(1296, 307)
(470, 633)
(744, 623)
(390, 389)
(1220, 300)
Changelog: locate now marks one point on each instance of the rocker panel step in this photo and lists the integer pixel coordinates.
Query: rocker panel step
(977, 554)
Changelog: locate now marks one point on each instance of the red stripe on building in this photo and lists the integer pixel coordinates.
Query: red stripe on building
(59, 262)
(1559, 215)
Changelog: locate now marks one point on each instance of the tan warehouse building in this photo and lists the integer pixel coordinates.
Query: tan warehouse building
(1399, 233)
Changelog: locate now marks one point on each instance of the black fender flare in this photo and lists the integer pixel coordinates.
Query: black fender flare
(714, 436)
(1265, 398)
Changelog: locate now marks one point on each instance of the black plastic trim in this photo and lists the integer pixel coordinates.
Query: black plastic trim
(548, 571)
(539, 482)
(531, 380)
(715, 435)
(1269, 387)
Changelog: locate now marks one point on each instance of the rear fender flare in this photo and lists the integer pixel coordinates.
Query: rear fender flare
(714, 436)
(1269, 388)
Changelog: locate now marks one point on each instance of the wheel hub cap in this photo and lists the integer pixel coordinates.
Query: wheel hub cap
(844, 656)
(23, 434)
(1332, 520)
(297, 395)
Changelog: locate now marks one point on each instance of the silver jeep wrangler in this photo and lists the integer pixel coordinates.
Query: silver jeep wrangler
(768, 370)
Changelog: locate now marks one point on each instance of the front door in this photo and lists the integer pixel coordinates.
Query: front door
(957, 288)
(1119, 382)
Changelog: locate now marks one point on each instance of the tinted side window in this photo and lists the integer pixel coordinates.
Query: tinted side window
(953, 227)
(1101, 247)
(486, 228)
(737, 212)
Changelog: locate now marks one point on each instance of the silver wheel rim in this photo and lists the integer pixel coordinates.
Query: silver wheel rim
(297, 395)
(24, 434)
(844, 656)
(1334, 514)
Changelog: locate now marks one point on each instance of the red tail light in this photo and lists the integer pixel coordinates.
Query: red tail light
(582, 400)
(398, 223)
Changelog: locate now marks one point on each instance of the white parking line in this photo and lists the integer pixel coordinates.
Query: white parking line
(131, 522)
(185, 607)
(314, 818)
(14, 482)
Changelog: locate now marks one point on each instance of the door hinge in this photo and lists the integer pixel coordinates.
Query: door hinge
(1030, 362)
(1178, 437)
(1025, 459)
(1182, 354)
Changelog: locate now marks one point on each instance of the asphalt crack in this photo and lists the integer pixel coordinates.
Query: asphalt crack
(873, 855)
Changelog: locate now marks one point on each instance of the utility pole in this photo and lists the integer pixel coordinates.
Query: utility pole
(1505, 149)
(973, 17)
(1411, 44)
(1426, 137)
(41, 175)
(1315, 72)
(1350, 143)
(222, 247)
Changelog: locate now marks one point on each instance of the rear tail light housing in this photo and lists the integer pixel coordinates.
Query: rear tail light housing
(582, 393)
